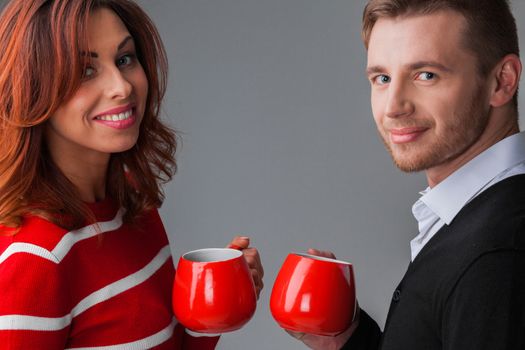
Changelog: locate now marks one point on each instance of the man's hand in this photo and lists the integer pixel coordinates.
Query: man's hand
(319, 342)
(252, 258)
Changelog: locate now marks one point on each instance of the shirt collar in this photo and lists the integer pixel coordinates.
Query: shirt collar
(452, 194)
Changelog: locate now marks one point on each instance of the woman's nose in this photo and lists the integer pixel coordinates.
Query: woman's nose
(118, 87)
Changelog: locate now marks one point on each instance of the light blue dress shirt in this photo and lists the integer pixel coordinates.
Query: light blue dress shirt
(440, 205)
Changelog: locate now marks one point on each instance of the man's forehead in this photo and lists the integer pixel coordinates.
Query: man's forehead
(406, 40)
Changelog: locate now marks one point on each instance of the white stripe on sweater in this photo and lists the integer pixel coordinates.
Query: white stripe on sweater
(141, 344)
(29, 248)
(199, 335)
(71, 238)
(24, 322)
(34, 323)
(123, 284)
(66, 243)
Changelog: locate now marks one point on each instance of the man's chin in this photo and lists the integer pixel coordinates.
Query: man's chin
(409, 168)
(411, 164)
(412, 158)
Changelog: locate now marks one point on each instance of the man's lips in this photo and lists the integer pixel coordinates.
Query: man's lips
(405, 135)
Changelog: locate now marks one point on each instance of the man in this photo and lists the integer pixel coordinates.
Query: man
(444, 76)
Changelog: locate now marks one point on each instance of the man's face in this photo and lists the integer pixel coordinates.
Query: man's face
(428, 100)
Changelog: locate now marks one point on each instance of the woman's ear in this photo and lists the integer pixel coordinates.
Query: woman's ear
(506, 77)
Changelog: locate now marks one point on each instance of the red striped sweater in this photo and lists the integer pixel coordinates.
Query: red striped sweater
(90, 289)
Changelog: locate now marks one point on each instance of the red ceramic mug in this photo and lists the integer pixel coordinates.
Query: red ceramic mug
(213, 291)
(314, 295)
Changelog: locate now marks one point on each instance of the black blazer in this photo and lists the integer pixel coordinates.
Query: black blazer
(466, 288)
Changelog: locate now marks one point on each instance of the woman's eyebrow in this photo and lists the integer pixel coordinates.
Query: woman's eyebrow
(119, 47)
(123, 42)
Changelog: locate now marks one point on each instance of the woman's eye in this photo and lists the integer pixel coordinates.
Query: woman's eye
(125, 60)
(426, 76)
(88, 72)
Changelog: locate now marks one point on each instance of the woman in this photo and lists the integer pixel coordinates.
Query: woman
(84, 258)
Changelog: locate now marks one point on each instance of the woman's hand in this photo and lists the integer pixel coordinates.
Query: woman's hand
(252, 258)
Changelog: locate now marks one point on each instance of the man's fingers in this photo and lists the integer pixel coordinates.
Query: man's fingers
(323, 253)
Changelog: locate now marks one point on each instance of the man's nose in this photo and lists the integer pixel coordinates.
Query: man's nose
(399, 103)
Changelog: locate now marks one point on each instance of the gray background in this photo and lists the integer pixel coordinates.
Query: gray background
(279, 144)
(272, 103)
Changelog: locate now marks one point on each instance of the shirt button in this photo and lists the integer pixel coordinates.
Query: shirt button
(397, 295)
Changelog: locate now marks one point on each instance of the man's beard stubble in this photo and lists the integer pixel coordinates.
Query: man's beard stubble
(460, 133)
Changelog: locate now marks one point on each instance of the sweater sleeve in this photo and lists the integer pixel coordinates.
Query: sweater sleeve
(366, 336)
(34, 302)
(199, 343)
(486, 309)
(193, 341)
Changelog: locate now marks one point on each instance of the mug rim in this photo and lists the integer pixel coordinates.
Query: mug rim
(234, 254)
(321, 258)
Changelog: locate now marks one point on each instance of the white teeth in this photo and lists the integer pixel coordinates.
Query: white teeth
(115, 117)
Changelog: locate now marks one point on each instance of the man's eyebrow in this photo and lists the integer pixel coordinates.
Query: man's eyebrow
(119, 47)
(374, 69)
(431, 64)
(412, 66)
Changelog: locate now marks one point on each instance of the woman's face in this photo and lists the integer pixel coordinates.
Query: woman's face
(104, 114)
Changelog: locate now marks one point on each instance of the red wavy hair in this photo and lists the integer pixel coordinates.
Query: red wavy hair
(41, 66)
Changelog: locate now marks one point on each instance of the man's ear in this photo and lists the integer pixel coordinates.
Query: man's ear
(506, 78)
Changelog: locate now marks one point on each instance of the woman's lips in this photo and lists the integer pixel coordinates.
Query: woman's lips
(117, 110)
(406, 135)
(121, 117)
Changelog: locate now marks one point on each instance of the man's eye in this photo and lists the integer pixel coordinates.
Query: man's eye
(382, 79)
(426, 76)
